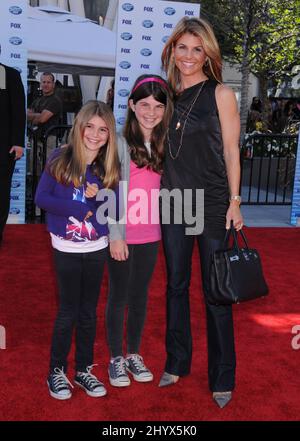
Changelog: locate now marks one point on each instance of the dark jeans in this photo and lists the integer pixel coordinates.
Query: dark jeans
(6, 171)
(128, 287)
(79, 278)
(178, 250)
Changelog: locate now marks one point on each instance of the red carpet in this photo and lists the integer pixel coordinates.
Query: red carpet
(267, 365)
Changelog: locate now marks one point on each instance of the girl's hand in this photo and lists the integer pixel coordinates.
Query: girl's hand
(234, 214)
(89, 214)
(91, 190)
(119, 249)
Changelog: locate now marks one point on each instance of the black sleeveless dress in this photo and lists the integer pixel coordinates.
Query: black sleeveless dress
(200, 162)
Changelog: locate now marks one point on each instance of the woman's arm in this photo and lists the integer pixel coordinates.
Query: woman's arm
(230, 127)
(118, 245)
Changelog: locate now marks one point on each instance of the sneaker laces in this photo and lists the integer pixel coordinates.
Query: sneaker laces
(138, 362)
(92, 380)
(60, 380)
(119, 365)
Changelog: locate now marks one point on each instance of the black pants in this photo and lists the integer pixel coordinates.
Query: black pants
(79, 278)
(7, 166)
(128, 287)
(178, 250)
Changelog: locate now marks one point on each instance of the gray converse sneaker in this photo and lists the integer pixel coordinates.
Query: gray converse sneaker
(90, 383)
(117, 372)
(59, 385)
(135, 365)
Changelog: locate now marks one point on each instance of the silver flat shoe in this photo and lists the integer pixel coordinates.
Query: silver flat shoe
(222, 398)
(168, 379)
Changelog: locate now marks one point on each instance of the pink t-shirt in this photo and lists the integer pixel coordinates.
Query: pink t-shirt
(143, 206)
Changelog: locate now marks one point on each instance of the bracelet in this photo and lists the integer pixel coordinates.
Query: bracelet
(235, 198)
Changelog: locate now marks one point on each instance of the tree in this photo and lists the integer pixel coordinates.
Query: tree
(276, 49)
(262, 36)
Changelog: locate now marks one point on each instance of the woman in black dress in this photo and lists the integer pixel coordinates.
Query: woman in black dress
(202, 152)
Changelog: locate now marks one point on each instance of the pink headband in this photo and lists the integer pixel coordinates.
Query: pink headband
(148, 80)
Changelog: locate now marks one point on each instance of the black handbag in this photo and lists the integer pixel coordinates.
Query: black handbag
(236, 273)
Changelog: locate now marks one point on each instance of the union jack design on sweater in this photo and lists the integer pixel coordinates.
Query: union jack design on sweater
(80, 231)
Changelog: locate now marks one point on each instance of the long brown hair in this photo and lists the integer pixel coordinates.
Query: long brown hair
(199, 28)
(159, 89)
(70, 165)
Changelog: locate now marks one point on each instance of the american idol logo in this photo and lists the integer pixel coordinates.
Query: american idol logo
(121, 120)
(165, 38)
(126, 36)
(169, 11)
(14, 210)
(146, 52)
(127, 7)
(16, 10)
(15, 184)
(147, 23)
(15, 40)
(123, 92)
(125, 65)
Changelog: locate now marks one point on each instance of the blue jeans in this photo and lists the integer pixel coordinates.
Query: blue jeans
(79, 277)
(178, 250)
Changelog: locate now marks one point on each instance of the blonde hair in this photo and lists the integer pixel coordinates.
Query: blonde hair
(199, 28)
(70, 165)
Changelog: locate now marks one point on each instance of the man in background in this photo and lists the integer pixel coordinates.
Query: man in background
(12, 134)
(46, 110)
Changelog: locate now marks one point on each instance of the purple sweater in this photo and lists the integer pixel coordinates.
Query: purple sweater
(57, 200)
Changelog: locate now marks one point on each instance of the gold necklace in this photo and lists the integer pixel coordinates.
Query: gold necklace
(188, 107)
(187, 111)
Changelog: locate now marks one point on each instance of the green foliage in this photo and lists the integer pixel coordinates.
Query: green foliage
(269, 28)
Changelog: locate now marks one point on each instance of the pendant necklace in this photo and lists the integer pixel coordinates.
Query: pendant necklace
(185, 114)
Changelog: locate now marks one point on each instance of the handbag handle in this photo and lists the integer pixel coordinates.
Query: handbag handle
(231, 232)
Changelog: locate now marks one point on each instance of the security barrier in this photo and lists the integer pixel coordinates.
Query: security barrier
(268, 169)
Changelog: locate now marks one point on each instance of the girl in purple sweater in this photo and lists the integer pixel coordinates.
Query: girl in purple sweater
(67, 191)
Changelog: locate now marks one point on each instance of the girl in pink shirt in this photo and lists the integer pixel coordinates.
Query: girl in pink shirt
(134, 241)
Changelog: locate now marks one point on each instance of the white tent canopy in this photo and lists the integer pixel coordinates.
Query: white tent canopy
(61, 42)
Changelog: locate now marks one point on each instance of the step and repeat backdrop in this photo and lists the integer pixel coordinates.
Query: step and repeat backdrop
(295, 213)
(143, 29)
(13, 16)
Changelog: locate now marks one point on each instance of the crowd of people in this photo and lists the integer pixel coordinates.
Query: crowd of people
(180, 134)
(281, 115)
